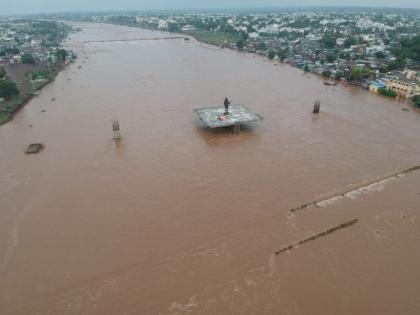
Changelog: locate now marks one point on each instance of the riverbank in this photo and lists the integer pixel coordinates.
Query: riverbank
(28, 87)
(232, 41)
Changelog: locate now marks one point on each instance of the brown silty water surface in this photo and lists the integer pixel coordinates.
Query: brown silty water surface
(179, 219)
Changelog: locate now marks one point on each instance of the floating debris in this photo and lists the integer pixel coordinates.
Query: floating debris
(316, 236)
(43, 111)
(34, 148)
(405, 109)
(79, 67)
(53, 99)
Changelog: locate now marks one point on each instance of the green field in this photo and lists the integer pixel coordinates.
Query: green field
(9, 107)
(215, 38)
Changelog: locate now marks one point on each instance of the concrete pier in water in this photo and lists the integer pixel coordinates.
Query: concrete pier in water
(214, 117)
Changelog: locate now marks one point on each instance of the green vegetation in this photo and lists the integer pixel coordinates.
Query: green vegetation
(271, 54)
(2, 72)
(326, 73)
(380, 55)
(262, 46)
(339, 75)
(38, 79)
(12, 51)
(329, 40)
(386, 92)
(61, 54)
(416, 100)
(360, 72)
(330, 58)
(174, 28)
(8, 89)
(28, 59)
(408, 48)
(216, 38)
(9, 107)
(397, 64)
(350, 42)
(241, 43)
(38, 75)
(282, 54)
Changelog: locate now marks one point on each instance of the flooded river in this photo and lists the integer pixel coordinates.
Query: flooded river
(179, 219)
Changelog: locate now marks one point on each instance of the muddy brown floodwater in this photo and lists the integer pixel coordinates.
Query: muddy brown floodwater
(179, 219)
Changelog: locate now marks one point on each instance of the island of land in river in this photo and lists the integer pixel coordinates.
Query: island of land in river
(175, 218)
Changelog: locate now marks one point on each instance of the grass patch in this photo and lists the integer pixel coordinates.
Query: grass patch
(9, 107)
(36, 85)
(215, 38)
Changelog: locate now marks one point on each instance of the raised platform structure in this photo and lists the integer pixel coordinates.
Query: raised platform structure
(214, 117)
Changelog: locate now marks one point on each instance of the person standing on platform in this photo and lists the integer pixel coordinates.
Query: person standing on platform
(227, 103)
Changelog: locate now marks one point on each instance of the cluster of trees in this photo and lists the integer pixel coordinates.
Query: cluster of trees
(281, 54)
(61, 54)
(8, 89)
(406, 48)
(36, 75)
(241, 43)
(386, 92)
(416, 100)
(28, 58)
(9, 51)
(359, 73)
(329, 40)
(326, 73)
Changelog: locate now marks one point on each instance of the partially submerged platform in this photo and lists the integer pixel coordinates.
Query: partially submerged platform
(214, 117)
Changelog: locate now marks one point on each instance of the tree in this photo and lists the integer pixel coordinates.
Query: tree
(306, 68)
(174, 28)
(328, 41)
(386, 92)
(8, 89)
(2, 72)
(397, 64)
(271, 54)
(262, 46)
(12, 51)
(339, 75)
(416, 100)
(28, 58)
(240, 43)
(330, 58)
(282, 54)
(380, 55)
(61, 54)
(326, 73)
(358, 73)
(349, 42)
